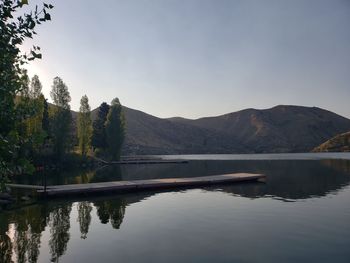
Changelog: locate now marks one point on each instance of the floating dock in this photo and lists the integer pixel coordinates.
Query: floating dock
(160, 161)
(140, 161)
(141, 185)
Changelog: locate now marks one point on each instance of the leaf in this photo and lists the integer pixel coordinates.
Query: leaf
(24, 2)
(47, 16)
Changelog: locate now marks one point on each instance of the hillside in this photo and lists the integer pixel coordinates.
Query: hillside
(279, 129)
(339, 143)
(147, 134)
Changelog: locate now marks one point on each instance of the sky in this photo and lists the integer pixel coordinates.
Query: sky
(196, 58)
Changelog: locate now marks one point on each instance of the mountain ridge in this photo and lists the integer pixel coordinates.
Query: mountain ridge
(283, 128)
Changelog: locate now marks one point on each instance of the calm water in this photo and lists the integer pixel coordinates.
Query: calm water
(301, 214)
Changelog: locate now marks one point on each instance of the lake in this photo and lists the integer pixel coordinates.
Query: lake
(301, 214)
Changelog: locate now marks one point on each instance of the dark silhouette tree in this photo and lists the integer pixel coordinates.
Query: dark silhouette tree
(98, 139)
(115, 129)
(45, 123)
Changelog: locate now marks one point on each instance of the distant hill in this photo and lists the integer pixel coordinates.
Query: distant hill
(339, 143)
(279, 129)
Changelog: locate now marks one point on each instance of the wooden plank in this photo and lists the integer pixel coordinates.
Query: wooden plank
(139, 185)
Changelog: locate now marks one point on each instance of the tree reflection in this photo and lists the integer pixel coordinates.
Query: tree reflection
(21, 229)
(59, 230)
(22, 238)
(84, 218)
(111, 211)
(5, 242)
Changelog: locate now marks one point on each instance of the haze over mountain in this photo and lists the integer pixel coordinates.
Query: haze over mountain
(279, 129)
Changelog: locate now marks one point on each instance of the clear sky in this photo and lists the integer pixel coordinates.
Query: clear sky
(195, 58)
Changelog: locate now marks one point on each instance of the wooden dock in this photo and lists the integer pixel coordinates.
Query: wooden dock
(140, 161)
(147, 162)
(140, 185)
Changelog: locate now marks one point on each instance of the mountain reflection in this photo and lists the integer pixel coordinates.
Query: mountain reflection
(294, 179)
(286, 179)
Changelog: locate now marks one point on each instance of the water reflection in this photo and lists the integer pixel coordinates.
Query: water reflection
(293, 180)
(111, 211)
(84, 218)
(20, 234)
(59, 223)
(21, 231)
(287, 179)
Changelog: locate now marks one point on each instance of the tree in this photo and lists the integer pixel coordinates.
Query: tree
(61, 118)
(14, 29)
(84, 125)
(60, 94)
(35, 100)
(115, 129)
(98, 139)
(35, 87)
(45, 123)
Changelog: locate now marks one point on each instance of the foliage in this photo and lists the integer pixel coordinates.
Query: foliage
(60, 94)
(45, 123)
(35, 107)
(35, 87)
(13, 31)
(61, 117)
(115, 129)
(84, 125)
(98, 139)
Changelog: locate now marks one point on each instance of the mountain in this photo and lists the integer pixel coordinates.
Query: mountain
(339, 143)
(279, 129)
(146, 134)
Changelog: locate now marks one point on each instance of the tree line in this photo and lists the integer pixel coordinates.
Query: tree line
(49, 129)
(29, 126)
